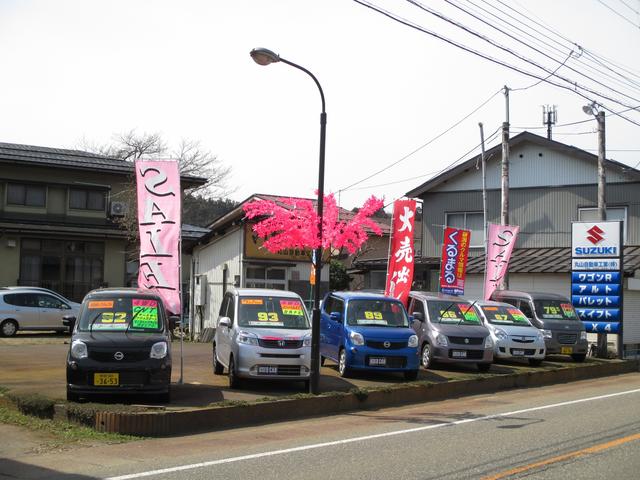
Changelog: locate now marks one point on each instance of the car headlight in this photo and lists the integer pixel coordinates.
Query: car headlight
(413, 341)
(539, 335)
(356, 338)
(500, 334)
(442, 340)
(247, 338)
(547, 333)
(306, 341)
(583, 335)
(158, 350)
(79, 349)
(488, 343)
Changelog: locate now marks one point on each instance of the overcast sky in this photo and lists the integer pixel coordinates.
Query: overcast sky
(74, 70)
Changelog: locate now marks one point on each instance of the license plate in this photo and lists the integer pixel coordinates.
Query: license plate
(517, 353)
(566, 350)
(269, 370)
(377, 361)
(459, 354)
(106, 379)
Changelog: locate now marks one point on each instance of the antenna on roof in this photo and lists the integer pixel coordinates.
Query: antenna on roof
(549, 117)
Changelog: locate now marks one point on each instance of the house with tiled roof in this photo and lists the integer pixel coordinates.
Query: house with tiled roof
(59, 219)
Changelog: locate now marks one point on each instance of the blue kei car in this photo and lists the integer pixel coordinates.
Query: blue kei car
(368, 331)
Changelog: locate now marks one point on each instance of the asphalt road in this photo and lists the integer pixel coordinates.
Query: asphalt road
(585, 430)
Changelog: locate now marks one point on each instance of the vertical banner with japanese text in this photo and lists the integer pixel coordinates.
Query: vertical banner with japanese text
(158, 193)
(453, 269)
(401, 254)
(502, 239)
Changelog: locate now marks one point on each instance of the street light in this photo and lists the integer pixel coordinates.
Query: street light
(263, 56)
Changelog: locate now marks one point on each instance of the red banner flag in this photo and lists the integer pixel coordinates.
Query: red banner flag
(401, 253)
(453, 269)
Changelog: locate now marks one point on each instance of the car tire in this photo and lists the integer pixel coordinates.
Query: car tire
(535, 362)
(218, 368)
(411, 375)
(234, 381)
(8, 328)
(306, 385)
(343, 370)
(427, 356)
(322, 361)
(165, 397)
(72, 396)
(484, 367)
(579, 357)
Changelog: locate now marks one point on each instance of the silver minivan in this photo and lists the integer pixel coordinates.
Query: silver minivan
(554, 315)
(449, 330)
(512, 332)
(262, 334)
(26, 309)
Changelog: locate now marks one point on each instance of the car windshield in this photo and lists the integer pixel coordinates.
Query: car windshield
(377, 313)
(122, 314)
(502, 315)
(554, 309)
(446, 311)
(272, 312)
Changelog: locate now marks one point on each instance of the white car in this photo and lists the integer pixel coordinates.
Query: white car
(513, 335)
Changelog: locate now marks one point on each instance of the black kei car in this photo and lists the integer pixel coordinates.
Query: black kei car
(120, 343)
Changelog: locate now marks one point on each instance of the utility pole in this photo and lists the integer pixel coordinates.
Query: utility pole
(549, 118)
(484, 189)
(504, 210)
(602, 205)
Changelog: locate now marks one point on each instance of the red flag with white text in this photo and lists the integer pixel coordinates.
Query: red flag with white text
(401, 254)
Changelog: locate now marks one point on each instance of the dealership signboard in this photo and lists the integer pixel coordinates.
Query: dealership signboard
(597, 274)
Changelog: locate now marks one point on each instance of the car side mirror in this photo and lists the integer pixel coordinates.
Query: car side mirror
(224, 322)
(336, 316)
(418, 316)
(69, 321)
(174, 321)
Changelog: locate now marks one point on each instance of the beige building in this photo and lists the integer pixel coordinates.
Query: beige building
(59, 212)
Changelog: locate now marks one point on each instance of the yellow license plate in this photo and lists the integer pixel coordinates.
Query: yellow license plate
(566, 350)
(106, 379)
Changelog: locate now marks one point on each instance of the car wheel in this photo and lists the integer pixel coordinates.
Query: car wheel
(307, 385)
(579, 357)
(427, 356)
(218, 368)
(484, 367)
(165, 397)
(234, 381)
(72, 396)
(343, 370)
(321, 361)
(8, 328)
(535, 362)
(411, 375)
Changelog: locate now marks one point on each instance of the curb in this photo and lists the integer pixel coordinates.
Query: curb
(154, 424)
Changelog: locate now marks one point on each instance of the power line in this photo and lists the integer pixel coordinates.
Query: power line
(629, 7)
(618, 13)
(447, 130)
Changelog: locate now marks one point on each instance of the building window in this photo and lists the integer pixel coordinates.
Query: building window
(80, 199)
(590, 214)
(266, 277)
(472, 221)
(26, 195)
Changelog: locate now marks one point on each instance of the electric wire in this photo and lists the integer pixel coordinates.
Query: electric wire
(629, 7)
(618, 14)
(477, 53)
(445, 131)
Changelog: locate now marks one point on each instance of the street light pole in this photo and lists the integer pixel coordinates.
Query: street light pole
(263, 56)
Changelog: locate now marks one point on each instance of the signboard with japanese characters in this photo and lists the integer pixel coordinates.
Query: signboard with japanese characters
(455, 250)
(401, 253)
(596, 278)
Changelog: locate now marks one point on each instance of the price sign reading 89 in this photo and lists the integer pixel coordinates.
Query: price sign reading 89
(373, 315)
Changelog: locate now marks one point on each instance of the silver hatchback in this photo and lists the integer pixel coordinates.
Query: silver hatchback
(262, 334)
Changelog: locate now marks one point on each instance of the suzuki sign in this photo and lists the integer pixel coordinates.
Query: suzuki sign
(595, 239)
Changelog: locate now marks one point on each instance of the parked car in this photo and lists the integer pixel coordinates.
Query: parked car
(563, 331)
(32, 309)
(121, 344)
(513, 334)
(367, 331)
(449, 330)
(262, 334)
(45, 290)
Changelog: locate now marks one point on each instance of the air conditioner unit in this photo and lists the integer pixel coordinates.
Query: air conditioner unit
(118, 209)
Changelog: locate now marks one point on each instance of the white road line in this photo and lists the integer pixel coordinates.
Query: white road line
(363, 438)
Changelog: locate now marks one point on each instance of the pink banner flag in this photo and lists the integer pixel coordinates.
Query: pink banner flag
(158, 187)
(401, 259)
(502, 239)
